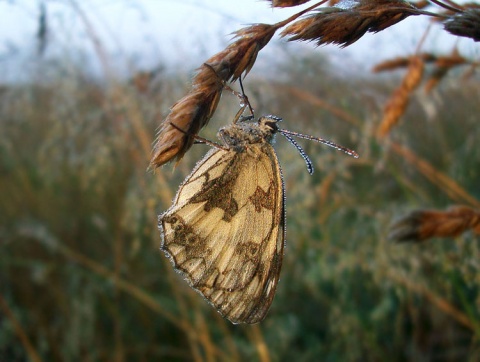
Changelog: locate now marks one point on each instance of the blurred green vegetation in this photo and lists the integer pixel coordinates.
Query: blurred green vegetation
(82, 276)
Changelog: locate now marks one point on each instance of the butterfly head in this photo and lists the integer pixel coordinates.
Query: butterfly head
(243, 133)
(269, 123)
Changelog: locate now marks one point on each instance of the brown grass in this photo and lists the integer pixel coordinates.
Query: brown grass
(341, 24)
(102, 255)
(335, 25)
(465, 23)
(336, 259)
(191, 113)
(401, 62)
(440, 66)
(421, 225)
(25, 341)
(398, 102)
(448, 185)
(286, 3)
(434, 299)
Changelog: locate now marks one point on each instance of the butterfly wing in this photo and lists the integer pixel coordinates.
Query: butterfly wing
(225, 230)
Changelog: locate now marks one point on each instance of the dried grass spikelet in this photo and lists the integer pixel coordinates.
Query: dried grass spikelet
(398, 102)
(391, 64)
(451, 9)
(333, 2)
(465, 23)
(401, 62)
(422, 4)
(239, 57)
(187, 116)
(470, 71)
(437, 75)
(443, 66)
(142, 81)
(451, 60)
(191, 113)
(348, 21)
(286, 3)
(421, 225)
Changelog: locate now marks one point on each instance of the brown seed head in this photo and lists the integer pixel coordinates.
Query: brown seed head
(466, 23)
(239, 57)
(286, 3)
(187, 116)
(421, 4)
(421, 225)
(348, 21)
(402, 62)
(398, 102)
(191, 113)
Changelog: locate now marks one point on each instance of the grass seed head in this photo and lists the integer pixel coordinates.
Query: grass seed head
(348, 21)
(466, 23)
(286, 3)
(421, 225)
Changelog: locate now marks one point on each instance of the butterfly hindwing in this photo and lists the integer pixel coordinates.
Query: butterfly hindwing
(225, 230)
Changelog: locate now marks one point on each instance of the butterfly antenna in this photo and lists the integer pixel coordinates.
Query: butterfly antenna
(348, 151)
(300, 150)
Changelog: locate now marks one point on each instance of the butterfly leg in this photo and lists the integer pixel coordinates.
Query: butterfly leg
(199, 139)
(244, 102)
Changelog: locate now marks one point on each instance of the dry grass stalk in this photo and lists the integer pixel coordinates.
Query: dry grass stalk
(313, 99)
(448, 185)
(286, 3)
(186, 118)
(401, 62)
(240, 56)
(142, 81)
(398, 102)
(434, 79)
(449, 11)
(450, 6)
(450, 61)
(421, 225)
(348, 21)
(439, 302)
(137, 293)
(9, 315)
(422, 4)
(391, 64)
(465, 23)
(442, 66)
(343, 24)
(191, 113)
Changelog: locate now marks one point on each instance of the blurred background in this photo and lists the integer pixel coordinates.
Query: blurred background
(83, 88)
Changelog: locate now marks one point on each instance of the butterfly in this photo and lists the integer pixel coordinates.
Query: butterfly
(225, 231)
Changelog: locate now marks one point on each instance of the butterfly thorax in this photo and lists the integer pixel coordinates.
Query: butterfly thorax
(239, 135)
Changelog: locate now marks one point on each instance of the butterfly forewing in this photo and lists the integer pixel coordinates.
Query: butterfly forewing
(225, 230)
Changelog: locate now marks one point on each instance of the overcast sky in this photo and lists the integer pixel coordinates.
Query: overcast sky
(138, 34)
